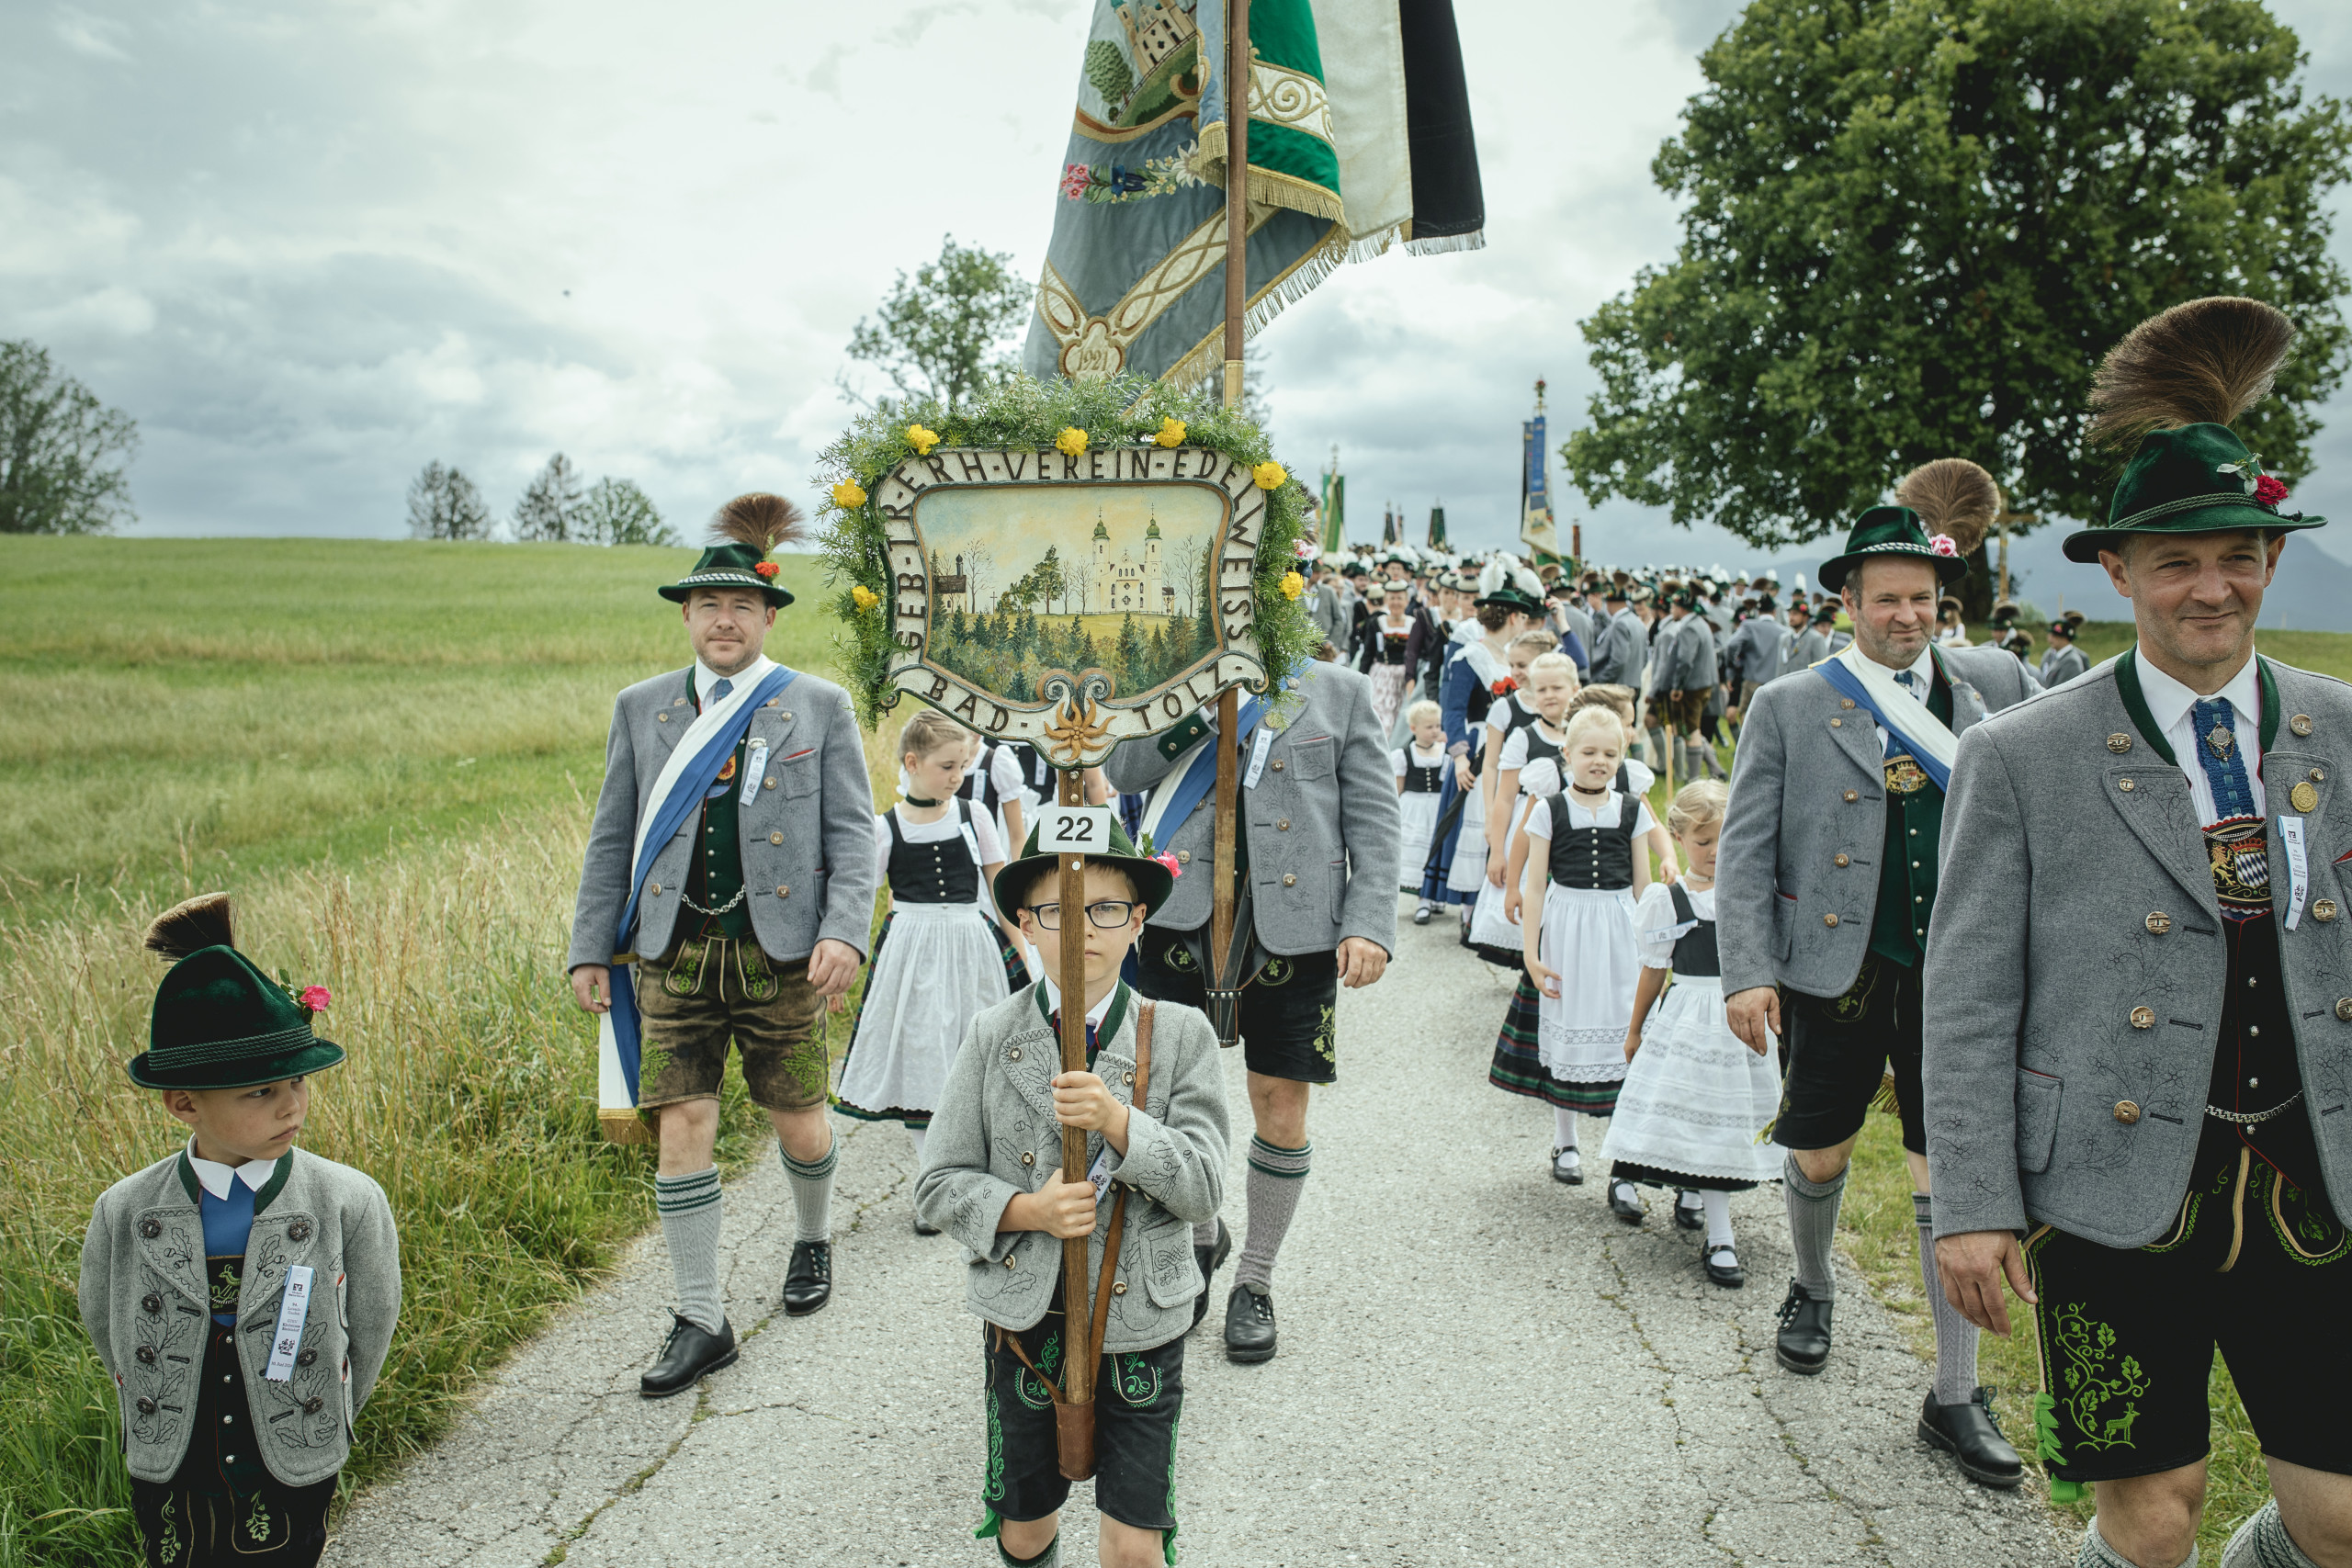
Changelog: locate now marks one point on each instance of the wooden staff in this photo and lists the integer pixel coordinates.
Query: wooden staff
(1237, 296)
(1078, 1324)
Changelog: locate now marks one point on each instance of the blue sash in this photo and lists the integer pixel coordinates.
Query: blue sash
(1905, 727)
(1198, 780)
(670, 814)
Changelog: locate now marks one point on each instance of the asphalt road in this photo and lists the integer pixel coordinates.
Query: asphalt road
(1477, 1366)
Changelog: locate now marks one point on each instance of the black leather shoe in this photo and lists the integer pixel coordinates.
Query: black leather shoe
(691, 1353)
(1422, 915)
(1572, 1173)
(808, 1282)
(1250, 1324)
(1727, 1272)
(1970, 1435)
(1624, 1203)
(1209, 1259)
(1803, 1343)
(1687, 1218)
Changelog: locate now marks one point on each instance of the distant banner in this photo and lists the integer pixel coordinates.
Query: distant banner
(1536, 527)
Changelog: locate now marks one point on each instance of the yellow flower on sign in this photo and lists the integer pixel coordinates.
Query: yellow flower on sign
(1171, 433)
(848, 496)
(922, 440)
(1269, 475)
(1293, 585)
(1072, 440)
(862, 596)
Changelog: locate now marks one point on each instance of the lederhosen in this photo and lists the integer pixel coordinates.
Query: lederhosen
(1842, 1054)
(2259, 1264)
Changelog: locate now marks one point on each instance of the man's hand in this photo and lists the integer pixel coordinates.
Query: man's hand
(1755, 1016)
(1063, 1210)
(1362, 962)
(1081, 1100)
(592, 987)
(832, 968)
(1972, 1266)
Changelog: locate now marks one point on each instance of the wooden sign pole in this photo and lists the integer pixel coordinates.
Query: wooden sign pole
(1077, 1320)
(1237, 296)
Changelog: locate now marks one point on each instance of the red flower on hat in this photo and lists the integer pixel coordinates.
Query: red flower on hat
(315, 998)
(1943, 545)
(765, 569)
(1170, 861)
(2268, 490)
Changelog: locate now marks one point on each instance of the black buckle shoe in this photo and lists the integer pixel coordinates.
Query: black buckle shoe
(1250, 1324)
(808, 1282)
(1624, 1203)
(1687, 1218)
(691, 1353)
(1729, 1273)
(1803, 1343)
(1570, 1174)
(1209, 1259)
(1970, 1434)
(1422, 915)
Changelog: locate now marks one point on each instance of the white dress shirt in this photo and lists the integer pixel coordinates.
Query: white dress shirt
(214, 1177)
(705, 677)
(2171, 704)
(1922, 671)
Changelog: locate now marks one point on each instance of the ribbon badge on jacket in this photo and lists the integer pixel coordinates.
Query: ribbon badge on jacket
(1872, 685)
(678, 793)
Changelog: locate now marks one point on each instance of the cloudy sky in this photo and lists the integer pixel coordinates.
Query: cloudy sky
(311, 246)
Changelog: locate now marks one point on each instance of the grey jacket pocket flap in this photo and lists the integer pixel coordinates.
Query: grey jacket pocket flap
(1312, 759)
(1171, 1277)
(2037, 1118)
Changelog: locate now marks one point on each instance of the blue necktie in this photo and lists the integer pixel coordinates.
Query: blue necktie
(1910, 682)
(2216, 740)
(718, 690)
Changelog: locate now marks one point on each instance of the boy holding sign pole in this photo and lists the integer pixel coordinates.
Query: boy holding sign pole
(1060, 1277)
(241, 1293)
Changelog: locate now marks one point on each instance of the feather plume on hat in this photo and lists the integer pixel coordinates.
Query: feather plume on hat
(1493, 575)
(191, 926)
(2205, 362)
(760, 520)
(1952, 496)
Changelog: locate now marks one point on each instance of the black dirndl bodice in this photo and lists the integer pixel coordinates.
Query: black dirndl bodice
(1595, 858)
(939, 872)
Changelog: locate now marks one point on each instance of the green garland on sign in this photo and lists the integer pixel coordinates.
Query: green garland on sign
(1126, 411)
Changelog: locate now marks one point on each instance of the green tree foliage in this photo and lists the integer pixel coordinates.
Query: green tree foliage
(615, 511)
(443, 503)
(1912, 228)
(948, 332)
(549, 510)
(63, 452)
(1106, 67)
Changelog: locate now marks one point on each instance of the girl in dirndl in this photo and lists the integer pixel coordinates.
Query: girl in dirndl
(1692, 1112)
(1420, 779)
(1384, 634)
(1549, 683)
(1586, 867)
(941, 958)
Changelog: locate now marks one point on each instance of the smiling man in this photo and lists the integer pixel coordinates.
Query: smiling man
(732, 858)
(1826, 886)
(2140, 1046)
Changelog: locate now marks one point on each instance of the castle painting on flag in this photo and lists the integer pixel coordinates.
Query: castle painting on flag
(1026, 579)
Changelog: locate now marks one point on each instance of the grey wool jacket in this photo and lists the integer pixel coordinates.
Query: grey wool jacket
(145, 1304)
(2062, 850)
(1796, 876)
(807, 835)
(994, 1135)
(1323, 821)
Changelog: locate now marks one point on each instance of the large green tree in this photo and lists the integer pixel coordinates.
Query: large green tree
(62, 451)
(948, 332)
(1912, 227)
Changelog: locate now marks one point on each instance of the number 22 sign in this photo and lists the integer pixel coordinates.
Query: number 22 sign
(1074, 831)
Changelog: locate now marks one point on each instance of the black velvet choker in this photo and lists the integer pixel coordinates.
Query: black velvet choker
(919, 802)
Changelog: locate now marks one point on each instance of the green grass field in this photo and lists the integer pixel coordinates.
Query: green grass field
(388, 752)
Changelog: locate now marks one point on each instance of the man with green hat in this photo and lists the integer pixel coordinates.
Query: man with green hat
(2139, 1068)
(2065, 660)
(730, 861)
(242, 1292)
(1826, 886)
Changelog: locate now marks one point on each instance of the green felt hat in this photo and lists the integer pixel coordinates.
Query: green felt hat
(729, 566)
(1889, 531)
(220, 1022)
(2198, 478)
(1152, 879)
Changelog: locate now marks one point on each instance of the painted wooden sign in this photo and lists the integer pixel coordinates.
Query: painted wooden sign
(1073, 602)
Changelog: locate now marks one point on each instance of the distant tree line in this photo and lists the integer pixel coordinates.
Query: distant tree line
(444, 504)
(63, 452)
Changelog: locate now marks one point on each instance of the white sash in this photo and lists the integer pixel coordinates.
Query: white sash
(1910, 718)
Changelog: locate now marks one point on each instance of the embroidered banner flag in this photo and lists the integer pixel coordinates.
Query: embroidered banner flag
(1535, 526)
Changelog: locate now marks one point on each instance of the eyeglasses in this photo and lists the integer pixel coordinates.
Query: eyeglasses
(1107, 916)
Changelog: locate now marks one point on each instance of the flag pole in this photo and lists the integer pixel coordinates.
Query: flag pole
(1237, 296)
(1078, 1318)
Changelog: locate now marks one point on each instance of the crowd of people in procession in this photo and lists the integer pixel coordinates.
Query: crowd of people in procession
(1905, 893)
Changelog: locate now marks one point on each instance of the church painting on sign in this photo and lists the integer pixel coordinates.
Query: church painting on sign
(1010, 600)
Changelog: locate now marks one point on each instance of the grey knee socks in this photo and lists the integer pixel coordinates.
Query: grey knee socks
(812, 1193)
(1276, 1176)
(1813, 1226)
(1955, 1336)
(2263, 1542)
(691, 1210)
(2097, 1553)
